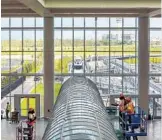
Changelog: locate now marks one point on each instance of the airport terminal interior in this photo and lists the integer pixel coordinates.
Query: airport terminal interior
(70, 69)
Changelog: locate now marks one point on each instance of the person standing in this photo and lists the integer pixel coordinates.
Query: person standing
(130, 109)
(121, 107)
(30, 122)
(130, 106)
(7, 110)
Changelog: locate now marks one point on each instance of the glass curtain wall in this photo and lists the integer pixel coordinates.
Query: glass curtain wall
(155, 65)
(21, 58)
(101, 48)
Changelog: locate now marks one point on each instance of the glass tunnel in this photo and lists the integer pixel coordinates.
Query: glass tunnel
(79, 113)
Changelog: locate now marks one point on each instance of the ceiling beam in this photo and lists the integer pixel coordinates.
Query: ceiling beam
(102, 3)
(17, 11)
(10, 2)
(155, 13)
(19, 15)
(13, 6)
(36, 6)
(99, 10)
(98, 15)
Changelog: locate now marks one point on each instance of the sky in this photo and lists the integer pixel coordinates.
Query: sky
(78, 22)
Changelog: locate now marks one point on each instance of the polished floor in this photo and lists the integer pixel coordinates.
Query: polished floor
(8, 130)
(154, 131)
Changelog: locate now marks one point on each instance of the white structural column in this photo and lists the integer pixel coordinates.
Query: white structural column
(48, 66)
(143, 65)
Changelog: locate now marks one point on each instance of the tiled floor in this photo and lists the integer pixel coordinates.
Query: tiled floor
(8, 131)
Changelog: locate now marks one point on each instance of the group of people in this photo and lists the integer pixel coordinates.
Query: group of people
(125, 106)
(31, 113)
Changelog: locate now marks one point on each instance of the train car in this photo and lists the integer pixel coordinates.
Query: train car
(78, 65)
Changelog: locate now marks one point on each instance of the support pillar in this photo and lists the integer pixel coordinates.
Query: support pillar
(48, 66)
(143, 63)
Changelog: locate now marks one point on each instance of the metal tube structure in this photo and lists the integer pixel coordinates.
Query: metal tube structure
(79, 113)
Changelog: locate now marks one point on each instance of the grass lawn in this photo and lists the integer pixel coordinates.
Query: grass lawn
(37, 68)
(40, 90)
(135, 60)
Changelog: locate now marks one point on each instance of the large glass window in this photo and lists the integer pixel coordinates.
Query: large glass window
(78, 22)
(89, 22)
(90, 40)
(29, 40)
(103, 40)
(130, 22)
(155, 22)
(29, 22)
(5, 22)
(5, 62)
(16, 40)
(67, 40)
(39, 40)
(78, 40)
(155, 45)
(116, 22)
(102, 22)
(105, 46)
(22, 54)
(67, 22)
(16, 22)
(103, 49)
(155, 66)
(4, 40)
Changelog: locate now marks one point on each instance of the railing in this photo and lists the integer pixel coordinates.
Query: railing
(23, 131)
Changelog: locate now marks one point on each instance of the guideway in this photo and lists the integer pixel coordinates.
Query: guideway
(79, 113)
